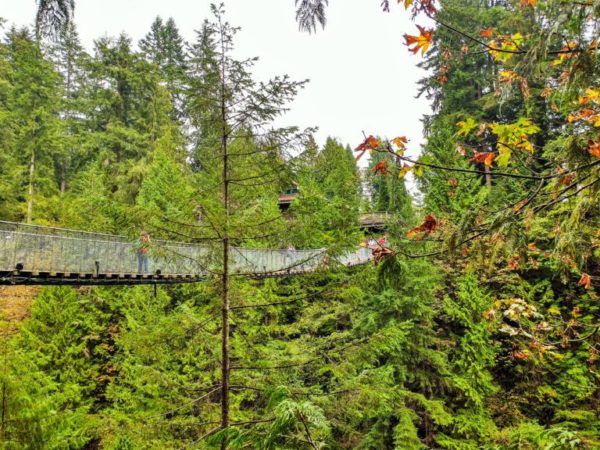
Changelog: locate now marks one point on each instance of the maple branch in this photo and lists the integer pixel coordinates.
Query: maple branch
(560, 199)
(482, 172)
(442, 251)
(580, 338)
(501, 50)
(474, 39)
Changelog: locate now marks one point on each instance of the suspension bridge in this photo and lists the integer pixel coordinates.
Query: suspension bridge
(34, 254)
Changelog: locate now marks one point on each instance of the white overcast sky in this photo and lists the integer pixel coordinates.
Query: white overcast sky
(361, 75)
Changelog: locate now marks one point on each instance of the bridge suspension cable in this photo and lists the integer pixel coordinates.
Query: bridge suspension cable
(34, 254)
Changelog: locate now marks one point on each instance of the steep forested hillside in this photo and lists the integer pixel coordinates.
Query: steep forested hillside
(478, 328)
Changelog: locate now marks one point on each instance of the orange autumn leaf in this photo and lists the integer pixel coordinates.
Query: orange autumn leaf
(521, 354)
(514, 262)
(381, 253)
(404, 170)
(594, 148)
(567, 179)
(373, 143)
(508, 76)
(407, 3)
(420, 42)
(595, 119)
(546, 92)
(428, 226)
(525, 3)
(566, 54)
(582, 114)
(487, 32)
(381, 167)
(486, 158)
(585, 280)
(370, 143)
(591, 95)
(400, 142)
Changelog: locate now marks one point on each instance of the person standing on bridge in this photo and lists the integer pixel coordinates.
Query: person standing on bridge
(142, 252)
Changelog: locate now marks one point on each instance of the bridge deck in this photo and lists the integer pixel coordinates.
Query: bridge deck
(31, 254)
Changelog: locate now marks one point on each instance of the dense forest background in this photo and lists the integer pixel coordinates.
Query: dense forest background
(481, 329)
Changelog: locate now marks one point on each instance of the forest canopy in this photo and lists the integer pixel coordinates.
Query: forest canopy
(475, 327)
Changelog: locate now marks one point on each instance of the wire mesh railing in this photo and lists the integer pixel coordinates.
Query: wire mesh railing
(41, 249)
(375, 218)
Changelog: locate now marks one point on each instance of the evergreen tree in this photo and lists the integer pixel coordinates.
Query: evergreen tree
(134, 112)
(203, 79)
(53, 16)
(32, 106)
(491, 344)
(164, 47)
(165, 194)
(245, 111)
(326, 213)
(71, 61)
(388, 189)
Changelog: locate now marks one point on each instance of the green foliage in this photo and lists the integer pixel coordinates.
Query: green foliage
(491, 345)
(30, 115)
(388, 191)
(326, 211)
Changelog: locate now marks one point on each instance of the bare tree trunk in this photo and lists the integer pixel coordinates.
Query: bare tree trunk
(225, 369)
(3, 421)
(4, 406)
(225, 359)
(63, 178)
(488, 177)
(30, 193)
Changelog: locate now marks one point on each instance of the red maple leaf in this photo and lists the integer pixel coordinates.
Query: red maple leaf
(525, 3)
(428, 226)
(381, 167)
(487, 32)
(585, 280)
(420, 42)
(520, 355)
(486, 158)
(567, 179)
(594, 148)
(370, 143)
